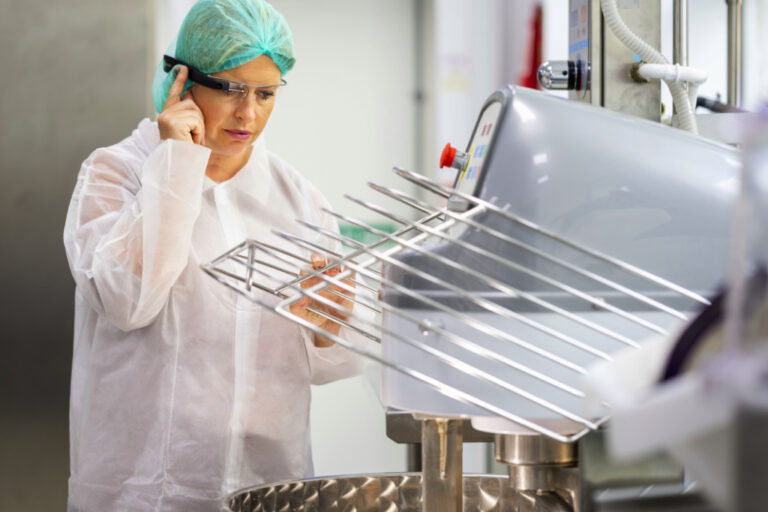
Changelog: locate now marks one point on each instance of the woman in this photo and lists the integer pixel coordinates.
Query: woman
(183, 391)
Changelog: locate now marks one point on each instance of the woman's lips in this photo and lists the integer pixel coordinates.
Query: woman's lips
(239, 134)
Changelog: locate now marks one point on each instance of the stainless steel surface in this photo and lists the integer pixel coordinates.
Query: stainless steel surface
(388, 492)
(402, 427)
(45, 138)
(680, 32)
(441, 456)
(521, 449)
(620, 92)
(557, 75)
(605, 63)
(460, 160)
(541, 465)
(734, 52)
(540, 478)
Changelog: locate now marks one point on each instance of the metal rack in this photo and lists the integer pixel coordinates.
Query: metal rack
(568, 289)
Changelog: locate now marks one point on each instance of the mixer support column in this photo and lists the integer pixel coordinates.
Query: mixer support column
(543, 471)
(441, 455)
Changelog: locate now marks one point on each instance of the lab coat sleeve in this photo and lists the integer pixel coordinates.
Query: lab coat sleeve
(328, 364)
(129, 227)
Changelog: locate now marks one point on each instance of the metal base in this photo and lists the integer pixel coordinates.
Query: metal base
(541, 467)
(388, 492)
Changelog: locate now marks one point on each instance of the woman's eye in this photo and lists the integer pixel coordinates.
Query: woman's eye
(265, 95)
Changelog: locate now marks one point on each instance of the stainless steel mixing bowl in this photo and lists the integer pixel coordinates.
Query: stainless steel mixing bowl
(368, 493)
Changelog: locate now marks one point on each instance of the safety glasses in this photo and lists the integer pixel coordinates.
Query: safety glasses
(234, 90)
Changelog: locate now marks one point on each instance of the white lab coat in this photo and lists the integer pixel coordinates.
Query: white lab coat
(182, 390)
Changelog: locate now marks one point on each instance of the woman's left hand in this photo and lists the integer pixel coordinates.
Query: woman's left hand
(341, 298)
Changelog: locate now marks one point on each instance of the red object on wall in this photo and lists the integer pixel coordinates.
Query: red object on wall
(528, 76)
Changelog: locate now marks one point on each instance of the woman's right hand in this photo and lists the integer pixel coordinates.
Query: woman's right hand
(181, 118)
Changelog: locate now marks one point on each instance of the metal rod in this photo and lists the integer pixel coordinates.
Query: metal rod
(481, 326)
(373, 245)
(400, 196)
(680, 32)
(489, 305)
(334, 292)
(442, 388)
(237, 258)
(734, 52)
(344, 323)
(251, 262)
(212, 269)
(442, 483)
(500, 285)
(449, 391)
(270, 249)
(249, 273)
(452, 361)
(438, 189)
(594, 301)
(471, 346)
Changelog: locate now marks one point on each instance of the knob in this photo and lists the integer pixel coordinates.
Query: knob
(452, 157)
(558, 75)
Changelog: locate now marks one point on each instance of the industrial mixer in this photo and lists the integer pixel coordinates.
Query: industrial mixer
(544, 258)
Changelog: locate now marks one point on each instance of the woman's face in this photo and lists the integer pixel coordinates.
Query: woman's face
(232, 122)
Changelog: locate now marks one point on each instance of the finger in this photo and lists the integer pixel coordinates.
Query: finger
(178, 85)
(190, 122)
(197, 124)
(312, 281)
(317, 261)
(298, 307)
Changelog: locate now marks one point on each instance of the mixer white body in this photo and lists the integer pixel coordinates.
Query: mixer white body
(648, 195)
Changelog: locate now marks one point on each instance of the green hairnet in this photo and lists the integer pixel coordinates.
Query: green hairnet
(223, 34)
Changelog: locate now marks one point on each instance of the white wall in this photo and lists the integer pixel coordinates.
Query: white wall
(347, 116)
(477, 47)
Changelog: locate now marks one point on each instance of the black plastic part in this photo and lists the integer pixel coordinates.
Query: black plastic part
(709, 318)
(195, 74)
(716, 106)
(573, 75)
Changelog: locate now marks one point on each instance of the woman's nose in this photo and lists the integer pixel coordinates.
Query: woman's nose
(248, 108)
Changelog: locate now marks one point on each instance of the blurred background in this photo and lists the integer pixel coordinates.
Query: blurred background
(377, 84)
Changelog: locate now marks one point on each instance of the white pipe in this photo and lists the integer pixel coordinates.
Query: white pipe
(649, 54)
(672, 73)
(693, 90)
(676, 73)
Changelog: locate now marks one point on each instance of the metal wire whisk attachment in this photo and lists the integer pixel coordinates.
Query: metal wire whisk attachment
(504, 313)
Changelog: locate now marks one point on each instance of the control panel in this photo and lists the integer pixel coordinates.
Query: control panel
(479, 146)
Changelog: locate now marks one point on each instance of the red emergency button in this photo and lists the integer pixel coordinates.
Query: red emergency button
(452, 157)
(449, 153)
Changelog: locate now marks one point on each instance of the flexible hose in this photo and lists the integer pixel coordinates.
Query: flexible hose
(648, 53)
